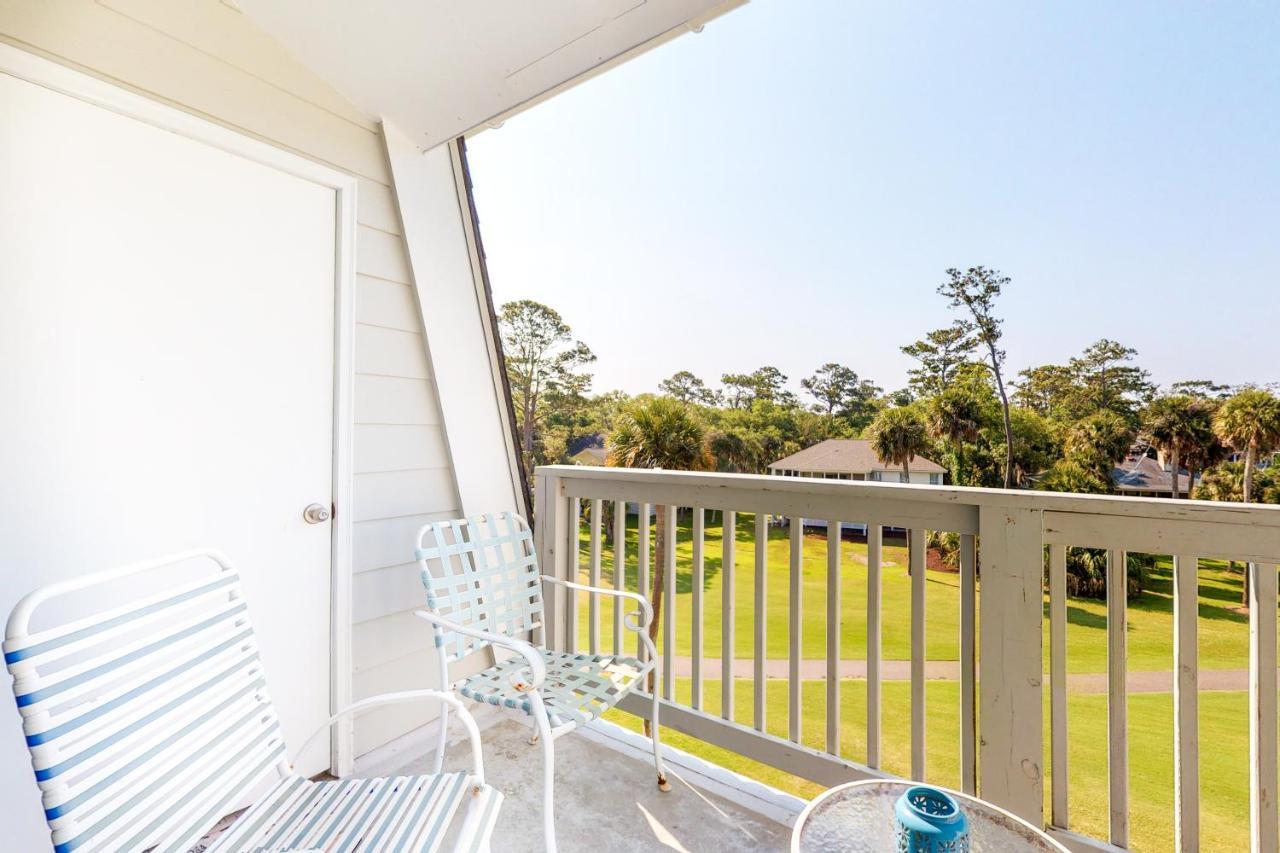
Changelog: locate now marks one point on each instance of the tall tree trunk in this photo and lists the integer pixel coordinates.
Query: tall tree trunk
(1249, 461)
(1173, 470)
(606, 521)
(1192, 473)
(1249, 455)
(1008, 427)
(906, 472)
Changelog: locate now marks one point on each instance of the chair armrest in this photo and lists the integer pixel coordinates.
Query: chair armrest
(531, 655)
(645, 609)
(473, 731)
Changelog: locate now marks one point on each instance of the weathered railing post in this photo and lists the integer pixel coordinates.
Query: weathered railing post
(1011, 748)
(551, 538)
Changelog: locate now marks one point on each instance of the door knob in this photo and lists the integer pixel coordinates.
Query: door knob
(316, 513)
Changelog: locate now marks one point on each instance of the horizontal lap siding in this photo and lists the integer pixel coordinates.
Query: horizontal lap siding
(206, 58)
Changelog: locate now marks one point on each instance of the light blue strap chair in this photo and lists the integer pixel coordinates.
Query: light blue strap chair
(484, 590)
(149, 721)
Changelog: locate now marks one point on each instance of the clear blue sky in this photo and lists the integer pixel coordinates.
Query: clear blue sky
(787, 188)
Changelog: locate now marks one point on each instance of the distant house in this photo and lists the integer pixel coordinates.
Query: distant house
(590, 456)
(1141, 476)
(853, 459)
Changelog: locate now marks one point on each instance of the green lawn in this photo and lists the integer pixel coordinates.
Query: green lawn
(1223, 761)
(1224, 635)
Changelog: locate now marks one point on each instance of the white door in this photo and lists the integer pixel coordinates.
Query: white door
(166, 372)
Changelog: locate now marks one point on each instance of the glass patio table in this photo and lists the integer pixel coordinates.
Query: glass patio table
(858, 817)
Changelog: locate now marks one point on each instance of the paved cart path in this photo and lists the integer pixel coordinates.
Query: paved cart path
(949, 670)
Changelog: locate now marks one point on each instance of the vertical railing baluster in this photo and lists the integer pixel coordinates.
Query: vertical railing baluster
(796, 528)
(1262, 707)
(1117, 697)
(916, 559)
(1058, 680)
(968, 664)
(699, 530)
(575, 575)
(728, 608)
(874, 541)
(761, 621)
(669, 606)
(1186, 723)
(619, 569)
(593, 579)
(1011, 659)
(642, 568)
(556, 556)
(833, 637)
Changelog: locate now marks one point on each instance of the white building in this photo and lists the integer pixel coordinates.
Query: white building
(854, 459)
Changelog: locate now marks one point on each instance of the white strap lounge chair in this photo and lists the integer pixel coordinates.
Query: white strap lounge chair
(150, 721)
(484, 590)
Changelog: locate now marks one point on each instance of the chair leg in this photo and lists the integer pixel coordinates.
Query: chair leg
(543, 733)
(663, 784)
(441, 739)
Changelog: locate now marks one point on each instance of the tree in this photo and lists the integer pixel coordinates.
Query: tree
(1097, 443)
(766, 383)
(1106, 381)
(736, 451)
(939, 354)
(1225, 482)
(1249, 421)
(955, 416)
(1068, 475)
(1045, 389)
(659, 433)
(1175, 426)
(542, 359)
(1035, 444)
(687, 388)
(898, 436)
(1208, 452)
(1099, 379)
(976, 290)
(1204, 389)
(840, 392)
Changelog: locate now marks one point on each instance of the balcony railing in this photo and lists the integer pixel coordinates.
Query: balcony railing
(1003, 540)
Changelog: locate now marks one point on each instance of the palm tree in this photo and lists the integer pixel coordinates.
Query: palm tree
(898, 436)
(1098, 442)
(956, 417)
(658, 433)
(1172, 425)
(1207, 450)
(1249, 421)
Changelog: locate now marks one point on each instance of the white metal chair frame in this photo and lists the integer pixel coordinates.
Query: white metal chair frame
(488, 578)
(149, 722)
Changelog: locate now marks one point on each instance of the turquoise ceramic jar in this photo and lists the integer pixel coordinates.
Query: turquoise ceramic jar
(930, 821)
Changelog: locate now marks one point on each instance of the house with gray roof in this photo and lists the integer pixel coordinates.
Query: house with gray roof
(1142, 476)
(854, 459)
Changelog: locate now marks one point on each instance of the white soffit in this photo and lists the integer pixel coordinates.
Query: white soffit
(439, 68)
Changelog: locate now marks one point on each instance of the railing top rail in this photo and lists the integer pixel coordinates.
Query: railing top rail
(1256, 515)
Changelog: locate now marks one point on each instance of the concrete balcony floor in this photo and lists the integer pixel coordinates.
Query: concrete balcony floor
(606, 796)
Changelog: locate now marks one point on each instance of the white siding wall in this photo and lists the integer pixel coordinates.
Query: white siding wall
(204, 57)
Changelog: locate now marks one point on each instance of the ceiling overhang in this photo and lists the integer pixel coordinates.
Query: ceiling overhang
(442, 68)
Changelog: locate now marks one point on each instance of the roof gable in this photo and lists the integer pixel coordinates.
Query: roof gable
(847, 456)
